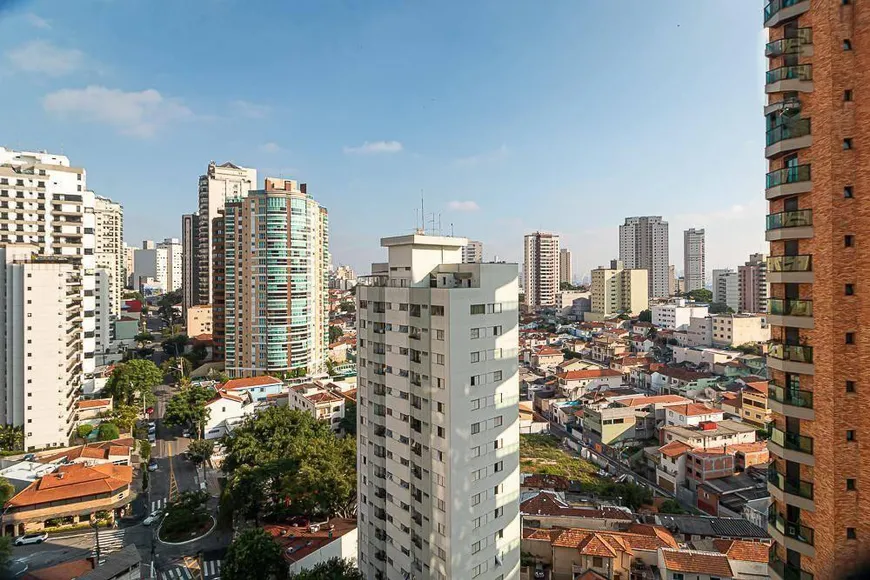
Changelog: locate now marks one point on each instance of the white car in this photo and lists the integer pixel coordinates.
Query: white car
(152, 517)
(31, 539)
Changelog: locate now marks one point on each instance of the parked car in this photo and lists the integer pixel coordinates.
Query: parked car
(152, 427)
(152, 464)
(152, 438)
(539, 572)
(186, 433)
(152, 517)
(36, 538)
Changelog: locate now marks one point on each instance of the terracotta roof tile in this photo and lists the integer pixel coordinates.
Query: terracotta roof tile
(683, 374)
(94, 403)
(696, 562)
(74, 481)
(322, 397)
(742, 550)
(588, 374)
(547, 503)
(654, 400)
(674, 449)
(759, 386)
(249, 382)
(694, 409)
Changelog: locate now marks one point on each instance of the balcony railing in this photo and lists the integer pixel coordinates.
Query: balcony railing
(788, 307)
(797, 72)
(788, 572)
(797, 487)
(791, 441)
(795, 174)
(793, 530)
(790, 44)
(790, 219)
(776, 5)
(790, 130)
(792, 352)
(793, 397)
(802, 263)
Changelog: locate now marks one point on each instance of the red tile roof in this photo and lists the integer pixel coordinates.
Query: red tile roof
(322, 397)
(695, 562)
(683, 374)
(63, 571)
(651, 539)
(760, 386)
(547, 503)
(222, 394)
(247, 383)
(654, 400)
(742, 550)
(693, 409)
(74, 481)
(674, 449)
(588, 374)
(94, 404)
(102, 450)
(547, 351)
(304, 542)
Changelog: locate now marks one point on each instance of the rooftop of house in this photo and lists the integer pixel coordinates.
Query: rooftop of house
(674, 449)
(696, 562)
(756, 447)
(322, 398)
(722, 428)
(94, 404)
(711, 527)
(547, 351)
(741, 550)
(103, 450)
(681, 374)
(298, 542)
(222, 395)
(605, 543)
(249, 382)
(758, 386)
(74, 481)
(582, 374)
(653, 400)
(693, 410)
(549, 503)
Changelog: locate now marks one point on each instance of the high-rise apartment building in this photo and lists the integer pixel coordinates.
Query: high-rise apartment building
(694, 267)
(220, 182)
(541, 269)
(726, 288)
(46, 203)
(618, 290)
(643, 243)
(438, 434)
(472, 253)
(816, 188)
(753, 284)
(41, 343)
(566, 266)
(189, 261)
(129, 265)
(174, 263)
(271, 311)
(109, 247)
(150, 269)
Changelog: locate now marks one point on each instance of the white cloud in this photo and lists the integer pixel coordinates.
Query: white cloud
(463, 206)
(37, 21)
(43, 57)
(139, 114)
(271, 147)
(251, 110)
(480, 159)
(372, 147)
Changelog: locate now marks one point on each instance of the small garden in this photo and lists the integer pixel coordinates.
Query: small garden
(186, 518)
(543, 455)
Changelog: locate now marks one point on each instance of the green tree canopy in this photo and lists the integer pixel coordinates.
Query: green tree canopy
(7, 490)
(720, 308)
(335, 333)
(700, 295)
(11, 438)
(332, 569)
(5, 556)
(200, 450)
(132, 377)
(172, 365)
(174, 345)
(186, 514)
(145, 450)
(125, 416)
(254, 555)
(187, 407)
(671, 506)
(645, 316)
(143, 337)
(108, 432)
(84, 430)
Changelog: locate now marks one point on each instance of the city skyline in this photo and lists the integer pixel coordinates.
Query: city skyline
(465, 170)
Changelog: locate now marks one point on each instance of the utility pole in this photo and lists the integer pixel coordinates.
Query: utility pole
(96, 542)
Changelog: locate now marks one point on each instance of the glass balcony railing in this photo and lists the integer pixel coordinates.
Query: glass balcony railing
(797, 72)
(791, 441)
(793, 530)
(791, 352)
(788, 307)
(790, 130)
(797, 487)
(795, 174)
(802, 263)
(787, 572)
(776, 5)
(789, 45)
(793, 397)
(790, 219)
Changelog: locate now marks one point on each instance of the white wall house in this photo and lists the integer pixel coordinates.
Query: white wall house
(676, 314)
(227, 409)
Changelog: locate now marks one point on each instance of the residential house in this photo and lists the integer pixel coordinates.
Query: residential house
(748, 560)
(626, 418)
(727, 496)
(730, 403)
(117, 451)
(323, 404)
(671, 468)
(703, 356)
(686, 528)
(573, 384)
(125, 564)
(531, 422)
(549, 509)
(754, 408)
(603, 350)
(710, 435)
(226, 410)
(675, 564)
(679, 381)
(546, 357)
(305, 547)
(535, 482)
(257, 387)
(92, 410)
(339, 349)
(626, 363)
(692, 415)
(574, 364)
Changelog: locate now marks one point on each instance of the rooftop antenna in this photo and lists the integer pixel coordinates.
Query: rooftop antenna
(451, 229)
(422, 213)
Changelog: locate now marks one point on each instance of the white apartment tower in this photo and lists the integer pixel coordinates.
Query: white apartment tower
(541, 269)
(694, 268)
(726, 288)
(109, 249)
(46, 203)
(41, 350)
(219, 183)
(472, 253)
(174, 263)
(643, 243)
(566, 268)
(438, 433)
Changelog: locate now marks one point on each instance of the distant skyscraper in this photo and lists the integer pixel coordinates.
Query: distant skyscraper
(189, 261)
(109, 249)
(726, 288)
(174, 263)
(566, 268)
(438, 438)
(472, 253)
(271, 311)
(219, 184)
(541, 269)
(643, 243)
(753, 284)
(694, 268)
(672, 280)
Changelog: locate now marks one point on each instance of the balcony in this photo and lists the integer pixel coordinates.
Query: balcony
(789, 79)
(791, 535)
(790, 402)
(796, 492)
(788, 181)
(789, 225)
(790, 136)
(791, 358)
(791, 446)
(790, 269)
(778, 11)
(779, 570)
(800, 43)
(794, 313)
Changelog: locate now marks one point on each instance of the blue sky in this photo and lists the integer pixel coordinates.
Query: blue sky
(509, 116)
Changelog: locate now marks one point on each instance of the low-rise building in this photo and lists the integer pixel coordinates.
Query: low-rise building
(226, 410)
(737, 329)
(118, 452)
(710, 435)
(257, 387)
(676, 314)
(679, 381)
(703, 356)
(675, 564)
(199, 320)
(753, 403)
(88, 410)
(304, 548)
(545, 357)
(319, 402)
(604, 349)
(626, 418)
(686, 528)
(574, 384)
(549, 509)
(692, 415)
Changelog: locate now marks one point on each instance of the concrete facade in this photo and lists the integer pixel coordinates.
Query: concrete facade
(617, 290)
(694, 259)
(541, 269)
(643, 244)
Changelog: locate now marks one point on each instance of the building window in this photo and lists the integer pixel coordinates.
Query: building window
(850, 289)
(847, 95)
(478, 308)
(851, 485)
(850, 435)
(851, 534)
(850, 338)
(678, 576)
(848, 240)
(847, 192)
(847, 143)
(475, 428)
(847, 44)
(597, 562)
(850, 386)
(475, 357)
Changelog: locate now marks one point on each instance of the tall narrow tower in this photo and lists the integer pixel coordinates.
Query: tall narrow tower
(694, 266)
(643, 243)
(541, 269)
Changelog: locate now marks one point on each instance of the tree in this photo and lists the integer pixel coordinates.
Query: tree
(143, 337)
(254, 555)
(145, 450)
(720, 308)
(171, 366)
(197, 355)
(335, 333)
(700, 295)
(186, 514)
(187, 408)
(125, 416)
(84, 430)
(7, 490)
(108, 432)
(200, 450)
(749, 348)
(348, 422)
(645, 316)
(347, 306)
(11, 438)
(132, 377)
(5, 556)
(332, 569)
(569, 286)
(174, 345)
(671, 506)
